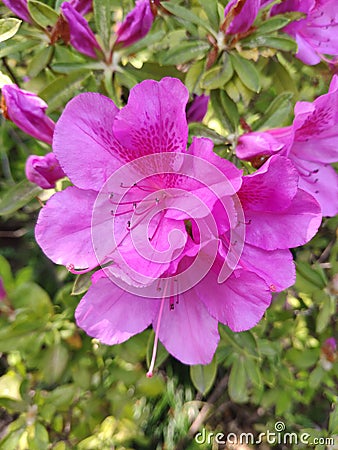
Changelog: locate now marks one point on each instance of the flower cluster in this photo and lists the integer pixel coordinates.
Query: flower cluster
(180, 234)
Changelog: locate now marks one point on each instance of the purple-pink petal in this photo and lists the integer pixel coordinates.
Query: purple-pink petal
(3, 293)
(82, 6)
(288, 228)
(113, 315)
(255, 144)
(136, 25)
(188, 331)
(239, 302)
(244, 19)
(43, 170)
(19, 7)
(197, 108)
(81, 36)
(84, 142)
(154, 118)
(63, 229)
(28, 112)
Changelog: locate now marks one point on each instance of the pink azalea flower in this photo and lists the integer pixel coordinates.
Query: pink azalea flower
(311, 143)
(136, 24)
(3, 292)
(19, 7)
(28, 112)
(241, 14)
(316, 34)
(44, 170)
(80, 34)
(197, 108)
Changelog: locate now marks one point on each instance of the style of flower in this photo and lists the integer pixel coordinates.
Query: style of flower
(197, 108)
(27, 111)
(43, 170)
(311, 144)
(136, 25)
(316, 33)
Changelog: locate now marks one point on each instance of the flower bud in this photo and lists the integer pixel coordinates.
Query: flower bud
(44, 170)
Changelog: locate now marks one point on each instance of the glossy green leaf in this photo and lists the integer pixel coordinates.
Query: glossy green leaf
(217, 76)
(273, 24)
(14, 46)
(53, 363)
(200, 130)
(193, 77)
(210, 8)
(237, 385)
(188, 15)
(81, 283)
(102, 17)
(283, 43)
(18, 196)
(203, 376)
(42, 14)
(8, 28)
(224, 108)
(39, 61)
(324, 315)
(278, 112)
(247, 72)
(183, 53)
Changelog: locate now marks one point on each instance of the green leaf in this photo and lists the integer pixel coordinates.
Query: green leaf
(310, 274)
(252, 368)
(145, 43)
(102, 17)
(211, 10)
(40, 60)
(324, 315)
(217, 76)
(333, 421)
(237, 382)
(54, 362)
(203, 376)
(14, 46)
(277, 113)
(42, 14)
(247, 72)
(193, 77)
(82, 283)
(183, 53)
(18, 196)
(8, 28)
(273, 24)
(189, 16)
(283, 43)
(57, 93)
(225, 109)
(201, 130)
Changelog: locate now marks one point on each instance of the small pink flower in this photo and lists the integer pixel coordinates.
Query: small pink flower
(311, 143)
(197, 108)
(44, 170)
(28, 112)
(317, 33)
(136, 25)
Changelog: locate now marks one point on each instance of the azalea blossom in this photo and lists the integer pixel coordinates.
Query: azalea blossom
(197, 108)
(311, 144)
(316, 34)
(136, 25)
(43, 170)
(27, 111)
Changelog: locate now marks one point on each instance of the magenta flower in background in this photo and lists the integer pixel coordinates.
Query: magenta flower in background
(242, 15)
(317, 33)
(82, 6)
(136, 24)
(197, 108)
(28, 112)
(81, 36)
(3, 293)
(311, 143)
(43, 170)
(19, 7)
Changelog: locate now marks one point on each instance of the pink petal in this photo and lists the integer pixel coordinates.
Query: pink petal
(19, 7)
(275, 267)
(84, 142)
(154, 118)
(197, 108)
(271, 188)
(289, 228)
(63, 230)
(251, 145)
(188, 332)
(113, 315)
(239, 302)
(44, 171)
(245, 18)
(81, 36)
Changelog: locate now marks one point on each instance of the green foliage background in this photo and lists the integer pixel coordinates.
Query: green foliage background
(59, 389)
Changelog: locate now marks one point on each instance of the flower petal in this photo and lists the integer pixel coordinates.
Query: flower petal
(63, 230)
(188, 332)
(19, 7)
(239, 302)
(154, 118)
(113, 315)
(84, 142)
(289, 228)
(44, 171)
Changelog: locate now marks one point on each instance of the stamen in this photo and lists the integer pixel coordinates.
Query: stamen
(70, 267)
(153, 357)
